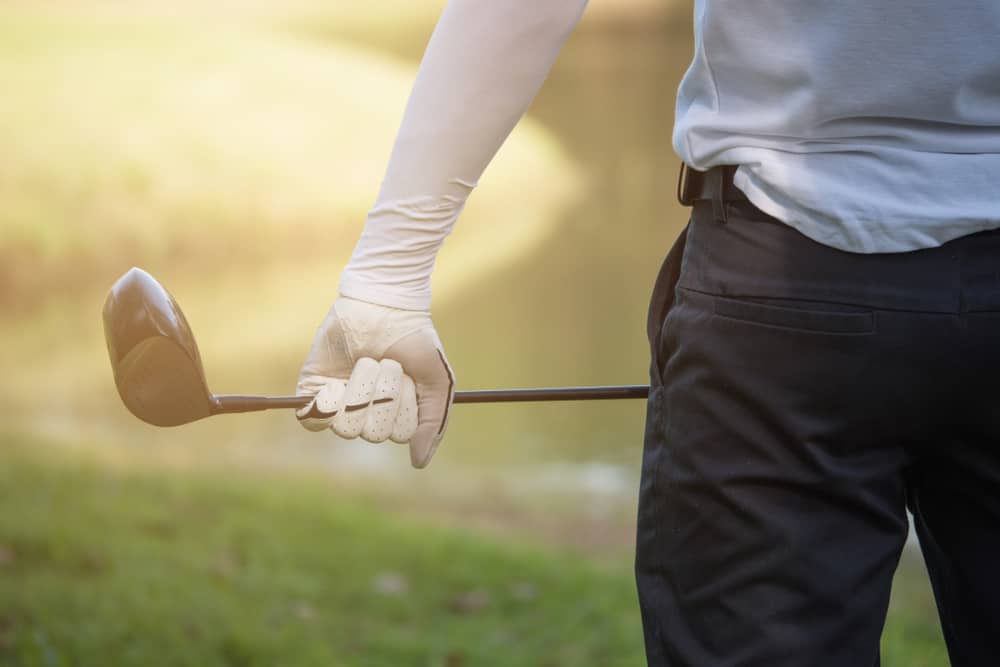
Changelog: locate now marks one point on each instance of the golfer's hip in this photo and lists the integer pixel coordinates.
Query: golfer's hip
(760, 307)
(755, 255)
(793, 385)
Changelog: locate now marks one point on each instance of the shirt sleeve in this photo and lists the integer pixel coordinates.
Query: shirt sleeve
(482, 67)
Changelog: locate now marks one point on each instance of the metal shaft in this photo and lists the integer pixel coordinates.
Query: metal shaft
(230, 403)
(551, 394)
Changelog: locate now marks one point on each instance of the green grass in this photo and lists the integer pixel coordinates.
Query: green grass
(147, 568)
(112, 565)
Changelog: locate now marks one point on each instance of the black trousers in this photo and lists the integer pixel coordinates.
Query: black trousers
(803, 397)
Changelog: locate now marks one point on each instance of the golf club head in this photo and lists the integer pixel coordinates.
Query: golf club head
(153, 353)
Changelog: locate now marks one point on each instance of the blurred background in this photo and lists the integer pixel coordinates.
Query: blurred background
(231, 149)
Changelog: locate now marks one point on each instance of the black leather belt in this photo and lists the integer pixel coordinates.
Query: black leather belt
(715, 185)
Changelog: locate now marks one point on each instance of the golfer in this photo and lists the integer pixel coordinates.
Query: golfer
(825, 333)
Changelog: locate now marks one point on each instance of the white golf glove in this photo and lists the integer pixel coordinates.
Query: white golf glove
(355, 371)
(481, 69)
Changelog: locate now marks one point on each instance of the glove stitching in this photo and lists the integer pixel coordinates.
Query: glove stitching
(403, 335)
(451, 387)
(348, 334)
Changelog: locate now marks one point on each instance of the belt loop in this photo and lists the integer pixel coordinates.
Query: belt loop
(684, 183)
(719, 212)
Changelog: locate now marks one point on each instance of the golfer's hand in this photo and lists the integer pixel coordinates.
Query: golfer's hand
(379, 373)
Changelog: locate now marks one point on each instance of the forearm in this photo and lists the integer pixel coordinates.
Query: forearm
(483, 66)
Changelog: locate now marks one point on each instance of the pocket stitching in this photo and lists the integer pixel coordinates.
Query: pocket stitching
(829, 322)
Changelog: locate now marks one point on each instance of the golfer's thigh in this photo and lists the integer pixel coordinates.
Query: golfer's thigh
(954, 494)
(771, 512)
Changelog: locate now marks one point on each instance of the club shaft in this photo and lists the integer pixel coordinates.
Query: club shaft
(551, 394)
(232, 403)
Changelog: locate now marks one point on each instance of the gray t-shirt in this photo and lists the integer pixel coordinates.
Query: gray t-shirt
(868, 125)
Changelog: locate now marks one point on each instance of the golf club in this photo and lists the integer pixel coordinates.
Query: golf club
(160, 378)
